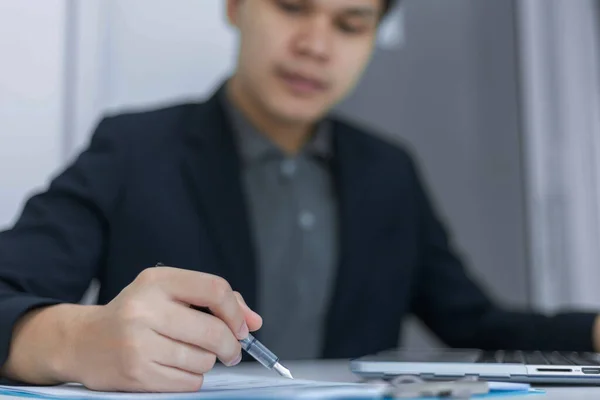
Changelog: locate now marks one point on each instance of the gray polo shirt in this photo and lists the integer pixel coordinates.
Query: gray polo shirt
(293, 219)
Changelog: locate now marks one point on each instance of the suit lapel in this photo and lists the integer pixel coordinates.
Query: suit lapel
(351, 169)
(212, 165)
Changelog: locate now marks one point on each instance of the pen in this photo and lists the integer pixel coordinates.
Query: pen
(255, 348)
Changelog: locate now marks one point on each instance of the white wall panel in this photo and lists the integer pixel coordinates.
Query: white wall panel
(146, 53)
(32, 77)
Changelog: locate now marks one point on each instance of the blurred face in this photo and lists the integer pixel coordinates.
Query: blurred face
(298, 58)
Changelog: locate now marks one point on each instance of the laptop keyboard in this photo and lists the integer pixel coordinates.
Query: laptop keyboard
(540, 358)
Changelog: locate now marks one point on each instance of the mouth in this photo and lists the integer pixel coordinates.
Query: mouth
(302, 84)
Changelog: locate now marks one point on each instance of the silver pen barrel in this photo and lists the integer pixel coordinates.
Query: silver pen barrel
(264, 356)
(257, 350)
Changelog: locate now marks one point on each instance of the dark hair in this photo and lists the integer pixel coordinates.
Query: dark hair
(388, 5)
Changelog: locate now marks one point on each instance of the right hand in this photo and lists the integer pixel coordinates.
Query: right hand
(149, 339)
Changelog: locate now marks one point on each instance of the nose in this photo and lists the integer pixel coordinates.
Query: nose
(315, 39)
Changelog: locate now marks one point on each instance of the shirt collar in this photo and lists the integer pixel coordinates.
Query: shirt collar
(254, 146)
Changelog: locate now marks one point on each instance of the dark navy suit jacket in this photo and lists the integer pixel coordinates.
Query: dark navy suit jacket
(164, 185)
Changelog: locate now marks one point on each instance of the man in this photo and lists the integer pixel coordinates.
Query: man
(325, 230)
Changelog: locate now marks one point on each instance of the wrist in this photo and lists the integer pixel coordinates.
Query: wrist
(71, 328)
(35, 348)
(596, 334)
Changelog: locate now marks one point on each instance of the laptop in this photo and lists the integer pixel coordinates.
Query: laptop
(512, 366)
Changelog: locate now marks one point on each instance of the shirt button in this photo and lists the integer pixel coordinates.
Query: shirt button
(306, 220)
(288, 168)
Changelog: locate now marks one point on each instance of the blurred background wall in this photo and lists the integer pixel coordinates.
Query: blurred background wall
(498, 99)
(32, 112)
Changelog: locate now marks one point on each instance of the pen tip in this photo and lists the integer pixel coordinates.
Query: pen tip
(283, 371)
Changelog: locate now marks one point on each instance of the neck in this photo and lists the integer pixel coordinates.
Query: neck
(287, 135)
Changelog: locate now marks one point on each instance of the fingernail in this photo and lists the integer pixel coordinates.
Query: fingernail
(237, 360)
(244, 331)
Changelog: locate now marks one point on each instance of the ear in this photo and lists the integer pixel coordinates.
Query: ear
(233, 10)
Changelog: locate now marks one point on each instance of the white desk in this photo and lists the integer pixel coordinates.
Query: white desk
(338, 371)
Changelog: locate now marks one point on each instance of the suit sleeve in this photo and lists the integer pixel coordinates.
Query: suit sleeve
(56, 246)
(460, 313)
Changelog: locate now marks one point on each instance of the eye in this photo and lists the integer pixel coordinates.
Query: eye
(351, 28)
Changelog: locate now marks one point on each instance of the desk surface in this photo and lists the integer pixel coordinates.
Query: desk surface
(338, 371)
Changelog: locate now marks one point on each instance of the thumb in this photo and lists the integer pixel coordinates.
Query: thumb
(253, 320)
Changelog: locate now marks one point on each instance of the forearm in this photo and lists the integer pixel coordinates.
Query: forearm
(596, 334)
(568, 331)
(41, 348)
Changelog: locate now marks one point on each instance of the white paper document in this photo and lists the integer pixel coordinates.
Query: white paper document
(216, 385)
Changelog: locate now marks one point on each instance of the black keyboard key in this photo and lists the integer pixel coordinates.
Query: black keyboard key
(499, 355)
(514, 357)
(539, 358)
(590, 358)
(557, 358)
(577, 358)
(536, 357)
(487, 357)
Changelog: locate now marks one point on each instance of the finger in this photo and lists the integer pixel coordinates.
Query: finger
(184, 324)
(184, 356)
(204, 290)
(253, 319)
(165, 379)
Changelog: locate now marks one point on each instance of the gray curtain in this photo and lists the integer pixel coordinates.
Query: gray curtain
(560, 91)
